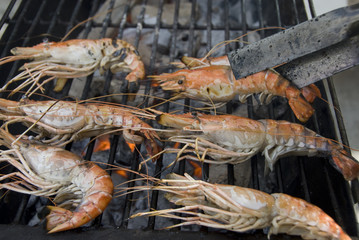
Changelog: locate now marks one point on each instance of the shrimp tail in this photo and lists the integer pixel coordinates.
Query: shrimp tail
(56, 217)
(301, 108)
(93, 203)
(311, 92)
(61, 219)
(345, 163)
(295, 216)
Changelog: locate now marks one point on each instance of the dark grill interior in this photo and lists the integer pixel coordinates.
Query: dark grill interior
(312, 179)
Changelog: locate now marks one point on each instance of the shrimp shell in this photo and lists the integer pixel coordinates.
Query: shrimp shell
(65, 121)
(82, 189)
(212, 81)
(242, 209)
(310, 92)
(234, 139)
(76, 58)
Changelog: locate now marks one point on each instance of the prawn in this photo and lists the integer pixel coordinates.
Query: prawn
(65, 121)
(233, 139)
(82, 189)
(75, 58)
(241, 209)
(310, 92)
(217, 84)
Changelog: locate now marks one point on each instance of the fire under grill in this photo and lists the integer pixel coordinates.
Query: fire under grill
(163, 31)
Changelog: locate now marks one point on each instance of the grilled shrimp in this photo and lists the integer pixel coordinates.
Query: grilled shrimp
(241, 209)
(309, 92)
(76, 58)
(82, 189)
(217, 84)
(233, 139)
(64, 121)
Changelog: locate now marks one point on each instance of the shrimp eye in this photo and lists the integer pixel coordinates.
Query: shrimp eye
(180, 81)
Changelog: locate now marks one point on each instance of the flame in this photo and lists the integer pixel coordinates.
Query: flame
(102, 143)
(155, 84)
(131, 145)
(122, 173)
(197, 169)
(177, 145)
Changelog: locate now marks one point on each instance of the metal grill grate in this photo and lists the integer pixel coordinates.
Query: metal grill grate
(311, 179)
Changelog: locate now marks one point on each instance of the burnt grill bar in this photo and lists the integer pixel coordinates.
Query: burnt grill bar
(254, 160)
(229, 107)
(87, 30)
(271, 114)
(190, 52)
(296, 175)
(154, 197)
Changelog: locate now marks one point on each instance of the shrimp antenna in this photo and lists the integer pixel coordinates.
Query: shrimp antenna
(237, 39)
(87, 20)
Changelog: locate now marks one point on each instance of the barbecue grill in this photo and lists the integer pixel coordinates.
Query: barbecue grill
(163, 31)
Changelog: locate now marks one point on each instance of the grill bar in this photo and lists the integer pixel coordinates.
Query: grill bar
(187, 101)
(15, 29)
(85, 35)
(271, 115)
(154, 197)
(254, 160)
(5, 17)
(229, 107)
(343, 133)
(36, 20)
(74, 14)
(300, 160)
(349, 203)
(21, 209)
(55, 16)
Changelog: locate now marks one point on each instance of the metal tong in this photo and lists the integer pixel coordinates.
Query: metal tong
(308, 52)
